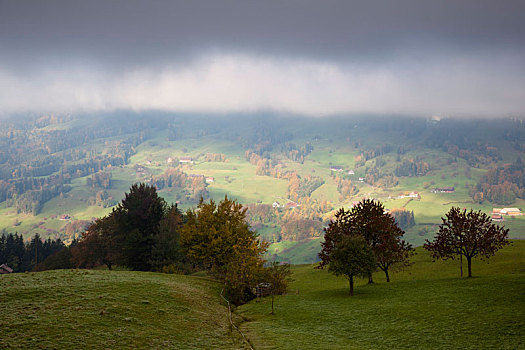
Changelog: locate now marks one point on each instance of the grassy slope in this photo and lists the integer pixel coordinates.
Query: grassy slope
(425, 307)
(118, 309)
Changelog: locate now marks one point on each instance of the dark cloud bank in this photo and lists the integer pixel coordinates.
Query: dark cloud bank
(460, 58)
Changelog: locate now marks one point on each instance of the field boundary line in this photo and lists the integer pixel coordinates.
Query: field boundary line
(231, 321)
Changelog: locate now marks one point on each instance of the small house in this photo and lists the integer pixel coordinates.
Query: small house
(276, 204)
(336, 168)
(443, 190)
(496, 217)
(511, 211)
(4, 269)
(210, 179)
(186, 160)
(351, 172)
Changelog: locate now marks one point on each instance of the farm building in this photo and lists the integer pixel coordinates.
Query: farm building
(496, 217)
(336, 168)
(351, 172)
(443, 190)
(412, 194)
(276, 204)
(210, 179)
(507, 211)
(5, 269)
(186, 160)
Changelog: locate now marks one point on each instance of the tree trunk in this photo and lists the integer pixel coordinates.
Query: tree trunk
(351, 281)
(386, 274)
(370, 279)
(461, 264)
(469, 262)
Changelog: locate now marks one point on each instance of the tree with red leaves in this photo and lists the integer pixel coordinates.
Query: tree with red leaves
(98, 245)
(369, 220)
(467, 234)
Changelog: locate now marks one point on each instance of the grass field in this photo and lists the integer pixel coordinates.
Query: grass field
(427, 306)
(80, 309)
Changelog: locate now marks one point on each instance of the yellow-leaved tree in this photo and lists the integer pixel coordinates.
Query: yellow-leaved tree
(218, 237)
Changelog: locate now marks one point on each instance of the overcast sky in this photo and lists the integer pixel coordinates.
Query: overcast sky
(317, 58)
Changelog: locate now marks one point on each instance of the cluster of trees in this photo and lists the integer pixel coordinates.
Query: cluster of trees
(368, 154)
(403, 217)
(297, 154)
(215, 157)
(30, 202)
(145, 234)
(263, 138)
(379, 177)
(194, 187)
(360, 240)
(410, 167)
(298, 224)
(101, 179)
(345, 187)
(300, 228)
(302, 187)
(363, 239)
(135, 234)
(27, 256)
(502, 185)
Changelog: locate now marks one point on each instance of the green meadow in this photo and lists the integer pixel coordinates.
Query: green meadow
(88, 309)
(427, 306)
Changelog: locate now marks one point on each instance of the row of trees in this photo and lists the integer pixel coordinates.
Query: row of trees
(26, 256)
(365, 238)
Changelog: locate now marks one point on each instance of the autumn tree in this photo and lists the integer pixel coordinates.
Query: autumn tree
(352, 257)
(98, 245)
(369, 220)
(218, 236)
(467, 234)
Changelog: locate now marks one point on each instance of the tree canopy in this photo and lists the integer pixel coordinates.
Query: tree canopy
(218, 236)
(379, 229)
(467, 234)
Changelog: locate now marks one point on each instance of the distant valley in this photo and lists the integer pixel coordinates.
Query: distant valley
(58, 173)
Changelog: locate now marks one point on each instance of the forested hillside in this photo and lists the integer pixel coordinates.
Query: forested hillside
(59, 172)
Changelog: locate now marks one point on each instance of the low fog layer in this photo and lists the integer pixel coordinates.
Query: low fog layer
(313, 58)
